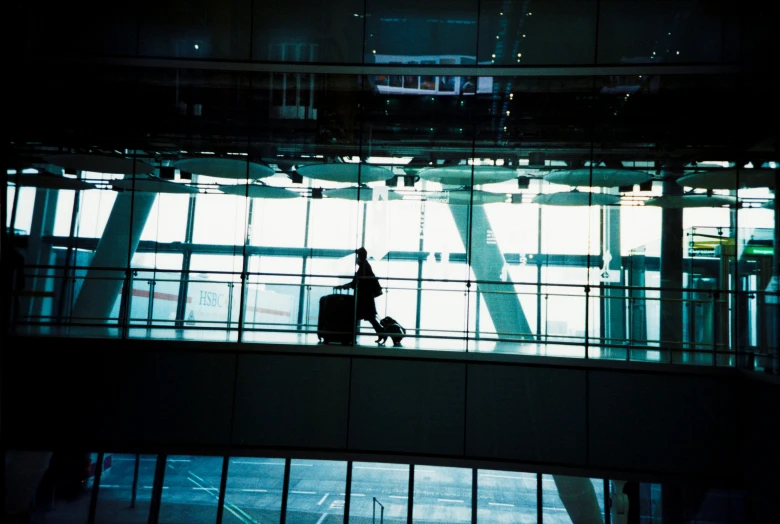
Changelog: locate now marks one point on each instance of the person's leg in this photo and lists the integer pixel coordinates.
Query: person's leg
(378, 328)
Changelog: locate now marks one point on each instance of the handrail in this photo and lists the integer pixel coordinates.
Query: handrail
(467, 282)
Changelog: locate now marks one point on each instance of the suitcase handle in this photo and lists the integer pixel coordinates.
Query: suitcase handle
(340, 291)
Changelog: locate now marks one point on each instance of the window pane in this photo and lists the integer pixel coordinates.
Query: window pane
(254, 489)
(655, 30)
(308, 31)
(115, 495)
(316, 493)
(195, 29)
(95, 206)
(220, 219)
(191, 489)
(64, 213)
(442, 494)
(377, 485)
(167, 221)
(433, 32)
(506, 496)
(572, 499)
(24, 208)
(549, 32)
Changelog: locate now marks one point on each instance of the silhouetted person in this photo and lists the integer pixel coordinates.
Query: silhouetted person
(366, 287)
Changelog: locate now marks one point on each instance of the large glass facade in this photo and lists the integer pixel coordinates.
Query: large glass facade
(134, 488)
(621, 213)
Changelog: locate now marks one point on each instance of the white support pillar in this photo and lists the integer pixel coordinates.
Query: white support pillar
(39, 253)
(488, 263)
(106, 274)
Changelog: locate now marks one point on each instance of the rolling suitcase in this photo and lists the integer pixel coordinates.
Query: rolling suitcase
(337, 319)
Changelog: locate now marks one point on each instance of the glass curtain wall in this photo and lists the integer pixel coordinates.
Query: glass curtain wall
(113, 487)
(624, 216)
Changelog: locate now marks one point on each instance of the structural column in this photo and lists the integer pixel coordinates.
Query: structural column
(671, 269)
(107, 271)
(39, 253)
(614, 298)
(488, 263)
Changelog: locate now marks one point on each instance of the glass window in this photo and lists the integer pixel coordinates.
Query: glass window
(254, 489)
(272, 301)
(379, 490)
(24, 208)
(167, 221)
(335, 223)
(124, 495)
(652, 31)
(442, 494)
(435, 32)
(155, 295)
(214, 299)
(278, 223)
(308, 31)
(65, 201)
(506, 496)
(95, 206)
(570, 230)
(317, 491)
(572, 499)
(190, 489)
(195, 29)
(219, 219)
(549, 32)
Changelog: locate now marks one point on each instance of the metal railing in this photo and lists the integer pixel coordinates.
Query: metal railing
(616, 322)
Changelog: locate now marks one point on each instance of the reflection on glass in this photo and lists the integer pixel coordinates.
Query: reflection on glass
(550, 32)
(254, 489)
(57, 486)
(202, 30)
(317, 491)
(125, 493)
(190, 489)
(308, 31)
(442, 494)
(408, 31)
(572, 499)
(653, 31)
(379, 490)
(506, 496)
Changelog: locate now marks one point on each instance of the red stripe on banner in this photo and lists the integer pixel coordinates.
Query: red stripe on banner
(157, 295)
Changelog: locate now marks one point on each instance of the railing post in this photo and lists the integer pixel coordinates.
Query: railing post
(587, 321)
(714, 328)
(150, 307)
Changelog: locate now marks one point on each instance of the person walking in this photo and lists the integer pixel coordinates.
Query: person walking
(367, 287)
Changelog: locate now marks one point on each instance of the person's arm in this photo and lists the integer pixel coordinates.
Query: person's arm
(349, 285)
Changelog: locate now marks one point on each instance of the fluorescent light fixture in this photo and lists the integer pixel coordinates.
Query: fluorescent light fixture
(390, 160)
